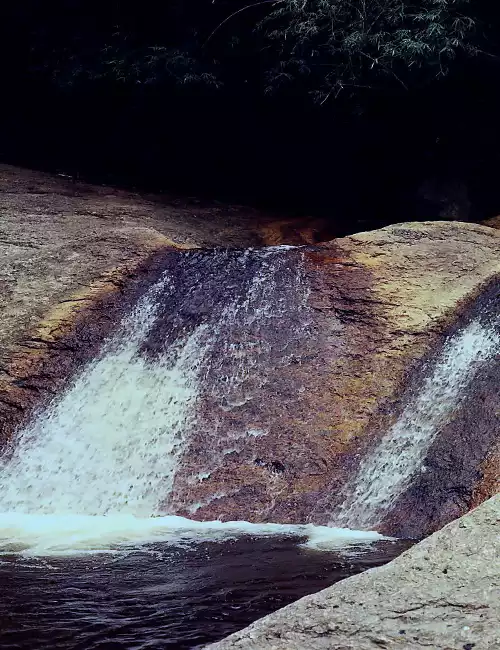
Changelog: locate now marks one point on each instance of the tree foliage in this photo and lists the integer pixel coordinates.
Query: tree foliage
(351, 44)
(324, 48)
(291, 98)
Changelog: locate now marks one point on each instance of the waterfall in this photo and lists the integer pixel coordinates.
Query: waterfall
(389, 469)
(96, 467)
(111, 443)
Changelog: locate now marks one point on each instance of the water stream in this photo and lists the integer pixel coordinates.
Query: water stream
(389, 469)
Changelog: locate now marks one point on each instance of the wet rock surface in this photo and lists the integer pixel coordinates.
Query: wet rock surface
(442, 593)
(379, 307)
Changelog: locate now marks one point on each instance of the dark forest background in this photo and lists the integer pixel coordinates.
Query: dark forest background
(365, 111)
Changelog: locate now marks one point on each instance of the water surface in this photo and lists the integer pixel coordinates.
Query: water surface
(164, 595)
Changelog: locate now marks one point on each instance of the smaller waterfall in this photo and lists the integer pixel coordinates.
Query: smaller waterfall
(389, 469)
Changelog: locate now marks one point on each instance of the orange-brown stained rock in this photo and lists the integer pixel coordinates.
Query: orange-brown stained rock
(296, 231)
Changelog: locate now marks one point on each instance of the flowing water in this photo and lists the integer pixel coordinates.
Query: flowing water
(386, 473)
(111, 444)
(91, 554)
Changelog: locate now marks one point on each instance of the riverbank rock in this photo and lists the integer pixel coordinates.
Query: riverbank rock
(442, 593)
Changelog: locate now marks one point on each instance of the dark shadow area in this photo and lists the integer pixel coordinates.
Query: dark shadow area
(152, 97)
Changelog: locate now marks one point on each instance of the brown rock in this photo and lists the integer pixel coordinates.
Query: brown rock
(72, 256)
(296, 231)
(492, 222)
(489, 483)
(56, 238)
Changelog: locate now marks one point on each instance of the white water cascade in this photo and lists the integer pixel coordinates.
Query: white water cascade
(95, 468)
(389, 469)
(110, 443)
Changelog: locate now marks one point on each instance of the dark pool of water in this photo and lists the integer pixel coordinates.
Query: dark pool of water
(163, 596)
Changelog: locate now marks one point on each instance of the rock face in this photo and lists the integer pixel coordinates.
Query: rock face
(443, 593)
(57, 237)
(380, 306)
(71, 257)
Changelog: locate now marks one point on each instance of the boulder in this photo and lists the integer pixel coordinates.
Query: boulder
(326, 385)
(442, 593)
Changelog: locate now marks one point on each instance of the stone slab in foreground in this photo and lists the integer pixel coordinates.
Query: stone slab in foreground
(444, 594)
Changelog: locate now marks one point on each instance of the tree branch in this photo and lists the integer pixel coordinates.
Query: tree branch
(235, 13)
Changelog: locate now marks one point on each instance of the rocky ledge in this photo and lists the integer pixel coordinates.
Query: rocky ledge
(73, 258)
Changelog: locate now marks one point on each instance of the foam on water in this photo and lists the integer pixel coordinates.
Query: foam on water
(74, 534)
